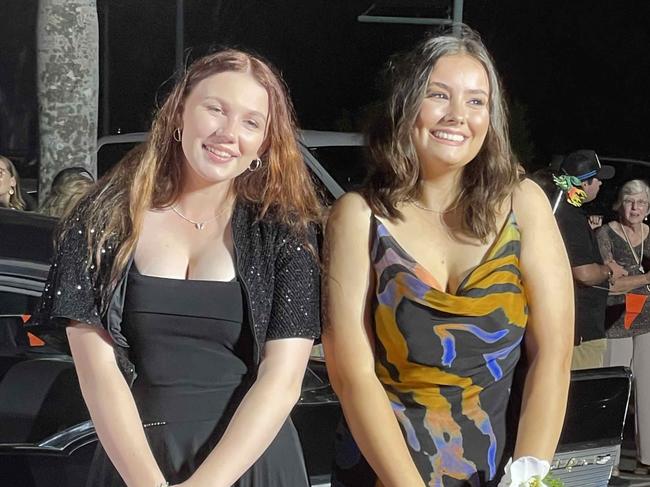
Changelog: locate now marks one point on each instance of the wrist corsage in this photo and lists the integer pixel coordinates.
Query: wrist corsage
(525, 472)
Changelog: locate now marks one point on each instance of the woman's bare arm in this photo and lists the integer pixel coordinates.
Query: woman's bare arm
(546, 275)
(112, 407)
(347, 341)
(260, 415)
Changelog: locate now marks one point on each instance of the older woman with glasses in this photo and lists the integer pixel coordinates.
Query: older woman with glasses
(626, 242)
(10, 196)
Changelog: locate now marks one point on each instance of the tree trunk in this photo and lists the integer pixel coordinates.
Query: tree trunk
(68, 85)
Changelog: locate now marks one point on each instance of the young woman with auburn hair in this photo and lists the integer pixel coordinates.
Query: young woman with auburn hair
(190, 274)
(435, 274)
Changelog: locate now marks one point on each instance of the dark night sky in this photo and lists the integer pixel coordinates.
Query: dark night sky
(576, 71)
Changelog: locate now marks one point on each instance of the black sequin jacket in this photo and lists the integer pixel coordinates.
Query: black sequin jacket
(279, 276)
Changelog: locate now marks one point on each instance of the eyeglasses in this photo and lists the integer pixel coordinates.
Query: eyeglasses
(636, 203)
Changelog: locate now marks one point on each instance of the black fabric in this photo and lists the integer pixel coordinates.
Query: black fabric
(193, 350)
(582, 247)
(279, 275)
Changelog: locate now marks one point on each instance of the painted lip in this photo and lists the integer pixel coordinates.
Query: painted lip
(449, 137)
(220, 153)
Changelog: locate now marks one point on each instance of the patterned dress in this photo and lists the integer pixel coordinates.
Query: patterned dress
(445, 360)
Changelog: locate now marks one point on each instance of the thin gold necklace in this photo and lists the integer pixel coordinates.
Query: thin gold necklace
(197, 224)
(439, 212)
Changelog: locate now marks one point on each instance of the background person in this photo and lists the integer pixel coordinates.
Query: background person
(627, 243)
(192, 264)
(10, 195)
(68, 187)
(591, 277)
(426, 306)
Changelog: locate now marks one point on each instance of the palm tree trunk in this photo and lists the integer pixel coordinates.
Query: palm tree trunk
(68, 85)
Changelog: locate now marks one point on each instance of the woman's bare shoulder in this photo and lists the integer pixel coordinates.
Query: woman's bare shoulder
(529, 201)
(350, 209)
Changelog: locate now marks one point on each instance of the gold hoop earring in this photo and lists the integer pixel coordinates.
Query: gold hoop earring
(11, 191)
(255, 165)
(178, 135)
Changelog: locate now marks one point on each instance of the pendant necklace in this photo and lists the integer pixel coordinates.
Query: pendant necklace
(638, 260)
(199, 225)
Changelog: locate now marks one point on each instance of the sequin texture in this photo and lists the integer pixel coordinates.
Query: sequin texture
(280, 275)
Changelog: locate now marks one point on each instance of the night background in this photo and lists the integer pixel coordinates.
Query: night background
(575, 71)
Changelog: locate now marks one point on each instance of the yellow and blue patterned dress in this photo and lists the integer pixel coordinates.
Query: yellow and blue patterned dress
(445, 360)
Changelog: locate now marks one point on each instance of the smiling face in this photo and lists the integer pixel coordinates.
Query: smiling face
(454, 117)
(634, 207)
(224, 125)
(7, 182)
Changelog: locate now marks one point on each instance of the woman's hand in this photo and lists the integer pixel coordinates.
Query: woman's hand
(595, 221)
(617, 269)
(260, 415)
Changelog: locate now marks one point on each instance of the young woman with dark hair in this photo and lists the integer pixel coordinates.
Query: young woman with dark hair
(190, 273)
(436, 273)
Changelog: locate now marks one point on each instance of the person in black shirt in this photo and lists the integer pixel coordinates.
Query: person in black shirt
(591, 276)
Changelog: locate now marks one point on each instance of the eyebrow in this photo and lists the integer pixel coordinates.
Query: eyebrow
(446, 87)
(252, 112)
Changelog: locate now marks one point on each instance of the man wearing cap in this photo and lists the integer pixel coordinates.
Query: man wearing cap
(591, 277)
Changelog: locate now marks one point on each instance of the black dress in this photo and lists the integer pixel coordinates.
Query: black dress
(192, 349)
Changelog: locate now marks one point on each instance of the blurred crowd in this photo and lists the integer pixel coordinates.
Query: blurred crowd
(610, 262)
(67, 188)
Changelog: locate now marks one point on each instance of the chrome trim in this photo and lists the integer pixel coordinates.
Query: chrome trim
(25, 287)
(68, 436)
(63, 443)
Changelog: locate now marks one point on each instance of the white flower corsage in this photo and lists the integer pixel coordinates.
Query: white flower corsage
(525, 472)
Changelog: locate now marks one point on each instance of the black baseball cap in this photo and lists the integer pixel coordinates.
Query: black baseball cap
(584, 164)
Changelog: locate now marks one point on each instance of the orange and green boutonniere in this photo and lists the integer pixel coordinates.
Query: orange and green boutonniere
(572, 187)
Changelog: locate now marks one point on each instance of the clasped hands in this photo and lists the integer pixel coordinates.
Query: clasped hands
(617, 270)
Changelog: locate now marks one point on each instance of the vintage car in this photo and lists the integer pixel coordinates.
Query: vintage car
(47, 439)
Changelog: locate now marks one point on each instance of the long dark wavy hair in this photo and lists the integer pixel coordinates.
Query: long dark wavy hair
(150, 175)
(486, 181)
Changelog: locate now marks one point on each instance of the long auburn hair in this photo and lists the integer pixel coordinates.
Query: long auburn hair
(16, 200)
(486, 181)
(150, 176)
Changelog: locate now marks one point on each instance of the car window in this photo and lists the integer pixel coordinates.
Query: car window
(17, 304)
(344, 163)
(110, 154)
